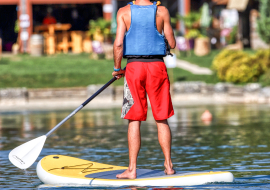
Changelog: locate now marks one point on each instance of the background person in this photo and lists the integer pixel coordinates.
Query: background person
(49, 19)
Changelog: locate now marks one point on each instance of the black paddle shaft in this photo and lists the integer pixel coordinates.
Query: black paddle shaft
(99, 91)
(82, 105)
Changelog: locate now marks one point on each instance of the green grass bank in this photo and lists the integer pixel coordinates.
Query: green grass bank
(68, 70)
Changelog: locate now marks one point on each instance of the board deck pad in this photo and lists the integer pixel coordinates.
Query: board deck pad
(141, 174)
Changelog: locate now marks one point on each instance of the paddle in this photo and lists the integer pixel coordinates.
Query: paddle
(26, 154)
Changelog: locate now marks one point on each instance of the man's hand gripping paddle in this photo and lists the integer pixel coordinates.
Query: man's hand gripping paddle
(26, 154)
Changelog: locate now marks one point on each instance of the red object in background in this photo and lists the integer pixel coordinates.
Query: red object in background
(49, 20)
(7, 46)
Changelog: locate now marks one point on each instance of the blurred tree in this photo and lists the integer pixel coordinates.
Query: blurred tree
(191, 20)
(99, 27)
(264, 21)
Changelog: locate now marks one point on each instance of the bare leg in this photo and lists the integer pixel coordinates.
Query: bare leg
(165, 140)
(134, 145)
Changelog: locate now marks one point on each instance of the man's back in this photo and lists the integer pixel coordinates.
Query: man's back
(162, 20)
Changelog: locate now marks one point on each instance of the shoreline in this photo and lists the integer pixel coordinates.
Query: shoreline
(183, 94)
(107, 103)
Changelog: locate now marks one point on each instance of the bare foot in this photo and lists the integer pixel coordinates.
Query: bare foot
(169, 171)
(128, 174)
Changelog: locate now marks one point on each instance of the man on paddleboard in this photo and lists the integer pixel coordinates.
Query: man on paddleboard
(139, 38)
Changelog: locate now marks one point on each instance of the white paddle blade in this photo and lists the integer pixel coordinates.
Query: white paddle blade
(26, 154)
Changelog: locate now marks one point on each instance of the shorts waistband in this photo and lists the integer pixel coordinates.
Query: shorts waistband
(144, 60)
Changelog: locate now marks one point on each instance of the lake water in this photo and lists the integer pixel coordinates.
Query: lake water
(237, 140)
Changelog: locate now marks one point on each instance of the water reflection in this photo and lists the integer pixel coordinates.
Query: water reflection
(236, 140)
(184, 117)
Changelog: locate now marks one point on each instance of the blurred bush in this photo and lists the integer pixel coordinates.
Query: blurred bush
(265, 78)
(192, 34)
(239, 67)
(244, 69)
(223, 61)
(263, 58)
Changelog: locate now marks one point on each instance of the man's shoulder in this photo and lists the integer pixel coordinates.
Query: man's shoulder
(162, 12)
(162, 9)
(124, 10)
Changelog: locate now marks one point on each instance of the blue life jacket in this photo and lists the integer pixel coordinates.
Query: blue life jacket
(143, 38)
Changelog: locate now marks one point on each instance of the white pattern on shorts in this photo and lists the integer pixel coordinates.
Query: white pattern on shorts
(128, 101)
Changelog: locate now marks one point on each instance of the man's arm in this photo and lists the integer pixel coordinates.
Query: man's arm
(118, 43)
(168, 31)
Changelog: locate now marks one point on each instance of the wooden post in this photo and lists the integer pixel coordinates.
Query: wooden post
(30, 28)
(25, 31)
(107, 9)
(187, 6)
(183, 10)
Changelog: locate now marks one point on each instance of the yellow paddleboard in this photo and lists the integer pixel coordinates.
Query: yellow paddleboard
(65, 170)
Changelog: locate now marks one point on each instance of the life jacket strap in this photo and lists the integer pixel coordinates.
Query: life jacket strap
(132, 3)
(157, 3)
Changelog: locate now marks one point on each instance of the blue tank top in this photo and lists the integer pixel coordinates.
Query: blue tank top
(143, 38)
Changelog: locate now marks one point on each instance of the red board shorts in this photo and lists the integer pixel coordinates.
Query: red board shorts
(150, 78)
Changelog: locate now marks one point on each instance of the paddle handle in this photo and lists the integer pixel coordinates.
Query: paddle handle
(81, 106)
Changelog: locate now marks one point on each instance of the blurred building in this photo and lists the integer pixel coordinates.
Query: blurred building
(32, 12)
(243, 7)
(226, 12)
